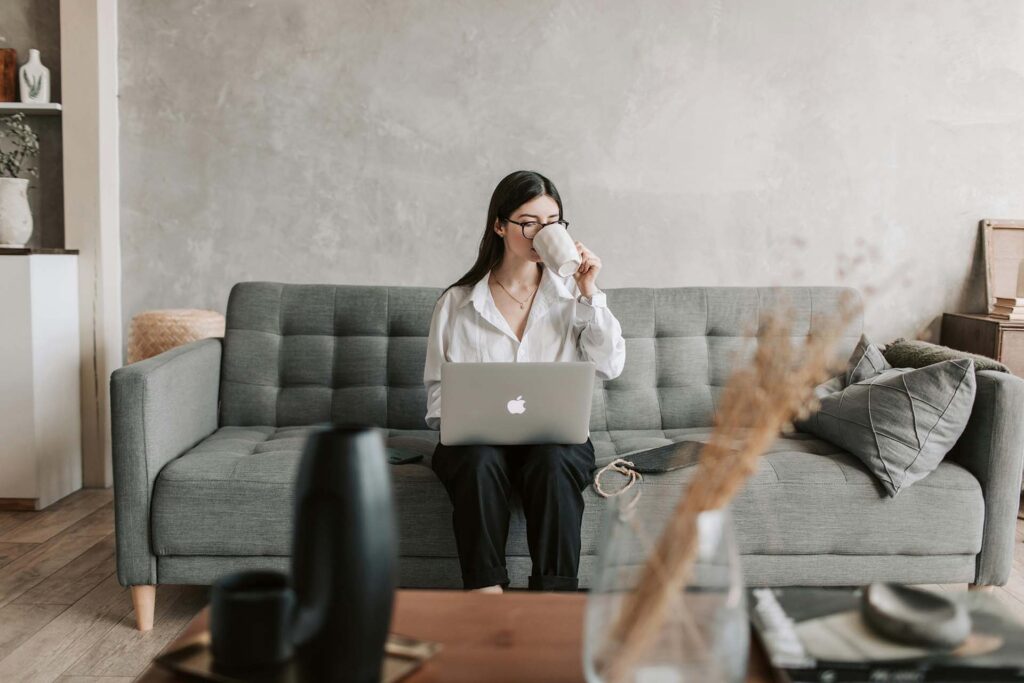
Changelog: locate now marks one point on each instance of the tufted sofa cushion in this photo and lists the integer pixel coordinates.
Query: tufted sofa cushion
(303, 354)
(232, 495)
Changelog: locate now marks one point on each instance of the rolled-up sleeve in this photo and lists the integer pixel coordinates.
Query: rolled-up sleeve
(437, 345)
(600, 336)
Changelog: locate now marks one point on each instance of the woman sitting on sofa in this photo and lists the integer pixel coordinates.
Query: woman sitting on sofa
(573, 324)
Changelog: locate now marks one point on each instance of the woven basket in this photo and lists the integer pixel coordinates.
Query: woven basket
(153, 332)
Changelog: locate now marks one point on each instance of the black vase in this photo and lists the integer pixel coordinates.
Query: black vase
(344, 555)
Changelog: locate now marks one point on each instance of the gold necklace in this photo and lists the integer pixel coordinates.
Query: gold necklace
(522, 304)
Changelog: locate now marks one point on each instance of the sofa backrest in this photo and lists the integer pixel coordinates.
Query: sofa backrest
(304, 354)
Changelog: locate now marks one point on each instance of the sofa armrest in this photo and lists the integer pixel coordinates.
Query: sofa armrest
(992, 448)
(159, 407)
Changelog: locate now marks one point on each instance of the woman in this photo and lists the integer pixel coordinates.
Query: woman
(510, 307)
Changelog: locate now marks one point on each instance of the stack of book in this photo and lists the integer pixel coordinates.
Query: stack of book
(1008, 309)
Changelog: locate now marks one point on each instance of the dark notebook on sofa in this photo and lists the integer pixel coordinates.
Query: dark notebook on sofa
(665, 458)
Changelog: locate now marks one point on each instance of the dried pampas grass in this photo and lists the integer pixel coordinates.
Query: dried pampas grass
(759, 400)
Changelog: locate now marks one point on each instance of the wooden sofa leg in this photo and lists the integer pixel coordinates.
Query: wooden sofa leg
(980, 589)
(144, 602)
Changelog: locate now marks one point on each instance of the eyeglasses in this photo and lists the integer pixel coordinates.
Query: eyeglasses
(531, 228)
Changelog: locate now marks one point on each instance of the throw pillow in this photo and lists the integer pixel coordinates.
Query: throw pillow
(866, 361)
(910, 353)
(899, 422)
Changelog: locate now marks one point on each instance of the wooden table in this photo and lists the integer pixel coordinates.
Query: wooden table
(516, 636)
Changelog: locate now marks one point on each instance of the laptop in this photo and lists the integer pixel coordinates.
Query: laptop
(516, 403)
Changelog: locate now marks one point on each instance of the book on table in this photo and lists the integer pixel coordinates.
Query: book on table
(1007, 312)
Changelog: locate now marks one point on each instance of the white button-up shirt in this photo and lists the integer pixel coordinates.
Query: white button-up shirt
(468, 327)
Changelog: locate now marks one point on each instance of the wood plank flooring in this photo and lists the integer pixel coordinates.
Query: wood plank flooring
(63, 616)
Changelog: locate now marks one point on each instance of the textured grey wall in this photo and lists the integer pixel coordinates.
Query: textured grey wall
(732, 142)
(28, 24)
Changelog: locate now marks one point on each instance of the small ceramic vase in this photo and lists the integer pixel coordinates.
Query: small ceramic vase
(34, 80)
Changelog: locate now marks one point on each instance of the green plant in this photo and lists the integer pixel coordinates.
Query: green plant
(18, 142)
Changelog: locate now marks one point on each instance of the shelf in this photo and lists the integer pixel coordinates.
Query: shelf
(49, 109)
(30, 251)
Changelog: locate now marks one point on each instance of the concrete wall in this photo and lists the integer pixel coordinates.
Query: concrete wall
(730, 142)
(26, 24)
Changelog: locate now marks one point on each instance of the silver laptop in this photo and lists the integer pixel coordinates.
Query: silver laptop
(516, 403)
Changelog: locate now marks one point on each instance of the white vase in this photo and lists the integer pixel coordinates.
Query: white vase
(15, 215)
(34, 80)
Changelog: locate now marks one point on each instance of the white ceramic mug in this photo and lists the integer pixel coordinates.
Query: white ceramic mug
(558, 250)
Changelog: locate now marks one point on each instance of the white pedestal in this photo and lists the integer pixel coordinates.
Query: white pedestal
(40, 423)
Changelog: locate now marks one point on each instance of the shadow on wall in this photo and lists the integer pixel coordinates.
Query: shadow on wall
(972, 293)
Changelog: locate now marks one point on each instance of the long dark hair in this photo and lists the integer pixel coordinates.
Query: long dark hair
(513, 191)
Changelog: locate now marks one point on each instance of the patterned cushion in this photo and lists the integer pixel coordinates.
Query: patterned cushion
(867, 361)
(899, 422)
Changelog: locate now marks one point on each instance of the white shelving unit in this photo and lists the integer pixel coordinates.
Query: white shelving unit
(48, 109)
(40, 411)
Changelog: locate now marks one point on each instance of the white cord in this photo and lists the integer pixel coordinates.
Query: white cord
(625, 468)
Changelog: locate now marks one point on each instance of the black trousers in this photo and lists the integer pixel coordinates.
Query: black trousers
(550, 479)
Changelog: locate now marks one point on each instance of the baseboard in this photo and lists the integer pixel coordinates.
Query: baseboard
(19, 504)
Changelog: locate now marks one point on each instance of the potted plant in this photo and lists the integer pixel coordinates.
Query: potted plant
(18, 143)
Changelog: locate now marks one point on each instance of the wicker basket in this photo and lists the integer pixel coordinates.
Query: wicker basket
(154, 332)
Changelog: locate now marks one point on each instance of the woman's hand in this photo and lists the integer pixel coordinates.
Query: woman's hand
(586, 275)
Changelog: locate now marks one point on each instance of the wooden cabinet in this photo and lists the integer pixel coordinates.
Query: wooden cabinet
(40, 361)
(988, 336)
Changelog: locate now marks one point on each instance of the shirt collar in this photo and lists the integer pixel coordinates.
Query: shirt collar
(552, 286)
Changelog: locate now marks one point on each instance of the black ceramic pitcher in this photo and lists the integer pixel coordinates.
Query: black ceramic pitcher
(344, 557)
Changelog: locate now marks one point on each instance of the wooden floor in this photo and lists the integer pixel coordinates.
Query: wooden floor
(63, 616)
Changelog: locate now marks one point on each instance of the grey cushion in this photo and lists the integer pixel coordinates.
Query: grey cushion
(232, 495)
(866, 361)
(302, 354)
(899, 422)
(912, 353)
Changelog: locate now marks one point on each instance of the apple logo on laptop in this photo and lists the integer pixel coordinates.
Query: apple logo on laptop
(517, 405)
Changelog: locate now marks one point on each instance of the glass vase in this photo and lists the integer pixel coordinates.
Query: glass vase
(705, 635)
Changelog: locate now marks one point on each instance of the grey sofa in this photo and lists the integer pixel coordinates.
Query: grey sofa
(207, 438)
